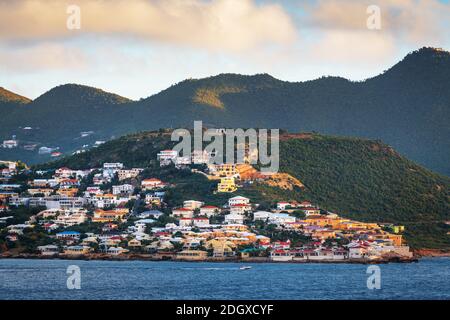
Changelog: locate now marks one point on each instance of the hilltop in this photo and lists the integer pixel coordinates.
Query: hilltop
(361, 179)
(407, 107)
(7, 96)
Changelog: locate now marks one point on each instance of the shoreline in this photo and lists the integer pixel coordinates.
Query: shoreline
(148, 257)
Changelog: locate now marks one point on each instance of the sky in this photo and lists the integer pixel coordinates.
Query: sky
(137, 48)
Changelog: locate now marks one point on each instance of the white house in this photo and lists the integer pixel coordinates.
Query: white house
(283, 205)
(166, 157)
(10, 144)
(238, 200)
(240, 208)
(113, 166)
(234, 219)
(200, 222)
(281, 218)
(124, 188)
(261, 215)
(209, 211)
(192, 204)
(153, 183)
(183, 213)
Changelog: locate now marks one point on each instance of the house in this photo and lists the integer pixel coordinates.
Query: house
(281, 218)
(71, 218)
(110, 215)
(128, 174)
(185, 222)
(226, 184)
(153, 183)
(68, 235)
(200, 157)
(65, 173)
(183, 213)
(153, 199)
(192, 204)
(226, 170)
(45, 150)
(240, 208)
(261, 215)
(150, 213)
(166, 157)
(281, 255)
(10, 144)
(283, 205)
(221, 247)
(75, 250)
(121, 189)
(200, 222)
(40, 191)
(133, 243)
(48, 250)
(113, 166)
(234, 219)
(282, 245)
(238, 200)
(192, 255)
(93, 190)
(209, 211)
(358, 252)
(310, 211)
(116, 251)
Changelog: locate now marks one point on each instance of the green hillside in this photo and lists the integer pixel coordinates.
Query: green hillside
(408, 106)
(361, 179)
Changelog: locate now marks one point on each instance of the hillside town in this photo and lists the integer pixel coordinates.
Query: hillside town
(115, 212)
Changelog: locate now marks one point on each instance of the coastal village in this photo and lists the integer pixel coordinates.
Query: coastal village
(114, 212)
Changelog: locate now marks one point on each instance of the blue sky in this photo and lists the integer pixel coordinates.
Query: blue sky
(138, 47)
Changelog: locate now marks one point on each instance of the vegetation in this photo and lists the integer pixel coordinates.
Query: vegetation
(407, 107)
(360, 179)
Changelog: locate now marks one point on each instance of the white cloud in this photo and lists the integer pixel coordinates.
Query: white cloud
(233, 25)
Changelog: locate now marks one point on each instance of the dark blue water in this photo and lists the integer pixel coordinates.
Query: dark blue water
(47, 279)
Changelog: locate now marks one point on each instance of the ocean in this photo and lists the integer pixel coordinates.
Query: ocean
(110, 280)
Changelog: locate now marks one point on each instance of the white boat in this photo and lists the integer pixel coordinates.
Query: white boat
(245, 268)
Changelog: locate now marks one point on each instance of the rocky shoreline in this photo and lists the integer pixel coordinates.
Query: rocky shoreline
(149, 257)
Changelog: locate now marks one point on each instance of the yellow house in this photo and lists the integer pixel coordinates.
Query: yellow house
(75, 250)
(192, 255)
(226, 170)
(234, 227)
(396, 239)
(226, 185)
(71, 192)
(134, 243)
(221, 247)
(318, 220)
(109, 216)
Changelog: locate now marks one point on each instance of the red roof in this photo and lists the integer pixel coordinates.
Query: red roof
(240, 205)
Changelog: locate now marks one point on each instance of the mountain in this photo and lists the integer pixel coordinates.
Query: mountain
(408, 107)
(358, 178)
(11, 97)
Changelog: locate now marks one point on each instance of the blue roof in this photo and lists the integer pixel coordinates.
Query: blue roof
(68, 232)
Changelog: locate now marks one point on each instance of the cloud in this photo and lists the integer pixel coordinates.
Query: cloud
(413, 21)
(342, 35)
(43, 56)
(216, 25)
